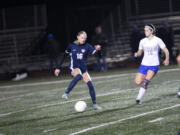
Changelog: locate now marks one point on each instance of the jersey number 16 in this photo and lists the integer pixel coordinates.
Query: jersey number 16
(79, 56)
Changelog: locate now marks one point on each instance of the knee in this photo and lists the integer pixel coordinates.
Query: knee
(86, 80)
(138, 82)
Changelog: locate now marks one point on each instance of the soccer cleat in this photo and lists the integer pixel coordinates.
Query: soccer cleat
(64, 96)
(97, 107)
(138, 102)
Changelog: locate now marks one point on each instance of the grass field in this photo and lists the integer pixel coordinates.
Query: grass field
(35, 107)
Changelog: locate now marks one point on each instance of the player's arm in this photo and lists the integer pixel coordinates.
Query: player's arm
(58, 69)
(140, 50)
(66, 53)
(166, 61)
(94, 50)
(97, 47)
(138, 53)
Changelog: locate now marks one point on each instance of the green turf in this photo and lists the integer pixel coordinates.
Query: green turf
(39, 109)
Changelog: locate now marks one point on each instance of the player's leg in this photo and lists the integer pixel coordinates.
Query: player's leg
(150, 74)
(76, 73)
(139, 78)
(88, 81)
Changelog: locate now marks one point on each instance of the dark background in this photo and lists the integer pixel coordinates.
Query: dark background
(24, 25)
(67, 17)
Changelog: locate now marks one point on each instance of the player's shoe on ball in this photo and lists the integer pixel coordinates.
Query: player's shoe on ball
(138, 102)
(97, 107)
(64, 96)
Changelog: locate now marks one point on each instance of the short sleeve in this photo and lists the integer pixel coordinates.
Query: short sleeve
(141, 45)
(161, 43)
(68, 49)
(91, 49)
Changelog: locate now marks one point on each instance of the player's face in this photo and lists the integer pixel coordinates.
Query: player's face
(82, 38)
(147, 32)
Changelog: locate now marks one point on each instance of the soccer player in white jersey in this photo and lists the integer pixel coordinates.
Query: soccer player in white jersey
(150, 45)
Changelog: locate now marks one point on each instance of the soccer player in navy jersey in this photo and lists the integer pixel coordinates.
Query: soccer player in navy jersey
(79, 51)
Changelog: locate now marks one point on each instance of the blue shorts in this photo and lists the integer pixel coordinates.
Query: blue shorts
(83, 69)
(144, 69)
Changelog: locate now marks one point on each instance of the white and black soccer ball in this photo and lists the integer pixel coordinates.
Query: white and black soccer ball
(80, 106)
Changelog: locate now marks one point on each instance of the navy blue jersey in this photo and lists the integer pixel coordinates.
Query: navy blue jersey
(79, 54)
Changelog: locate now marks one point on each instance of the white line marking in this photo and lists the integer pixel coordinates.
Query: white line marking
(50, 130)
(14, 97)
(158, 119)
(85, 98)
(93, 78)
(33, 84)
(63, 88)
(59, 103)
(48, 105)
(121, 120)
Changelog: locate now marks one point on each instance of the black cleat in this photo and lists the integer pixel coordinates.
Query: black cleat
(138, 102)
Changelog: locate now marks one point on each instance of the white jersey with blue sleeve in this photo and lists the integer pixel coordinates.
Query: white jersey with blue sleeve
(151, 50)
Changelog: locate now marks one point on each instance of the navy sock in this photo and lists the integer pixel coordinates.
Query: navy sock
(73, 83)
(92, 91)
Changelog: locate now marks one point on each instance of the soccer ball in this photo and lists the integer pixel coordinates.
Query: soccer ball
(80, 106)
(179, 94)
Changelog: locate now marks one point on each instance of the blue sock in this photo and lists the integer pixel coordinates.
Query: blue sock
(92, 91)
(73, 83)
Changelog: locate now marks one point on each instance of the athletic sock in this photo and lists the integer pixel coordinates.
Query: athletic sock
(143, 89)
(92, 92)
(141, 93)
(73, 83)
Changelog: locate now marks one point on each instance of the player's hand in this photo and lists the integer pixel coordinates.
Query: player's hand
(166, 62)
(136, 54)
(56, 72)
(97, 47)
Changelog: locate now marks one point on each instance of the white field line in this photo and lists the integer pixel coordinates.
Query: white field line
(121, 120)
(94, 78)
(48, 105)
(14, 97)
(78, 86)
(70, 101)
(35, 92)
(50, 130)
(158, 119)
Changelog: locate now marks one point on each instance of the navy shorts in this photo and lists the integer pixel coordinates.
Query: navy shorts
(144, 69)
